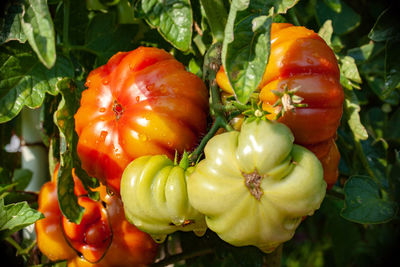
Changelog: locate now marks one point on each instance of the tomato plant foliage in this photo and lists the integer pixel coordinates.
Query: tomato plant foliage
(49, 47)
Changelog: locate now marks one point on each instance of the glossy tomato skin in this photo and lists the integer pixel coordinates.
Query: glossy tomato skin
(49, 234)
(103, 238)
(130, 247)
(141, 102)
(301, 59)
(255, 190)
(93, 235)
(154, 194)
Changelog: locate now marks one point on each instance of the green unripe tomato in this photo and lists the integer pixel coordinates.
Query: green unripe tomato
(254, 186)
(155, 199)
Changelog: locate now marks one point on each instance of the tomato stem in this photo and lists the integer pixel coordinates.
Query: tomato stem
(212, 65)
(218, 123)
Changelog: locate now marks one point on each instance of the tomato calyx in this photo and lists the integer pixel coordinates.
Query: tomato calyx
(118, 109)
(255, 112)
(287, 101)
(253, 183)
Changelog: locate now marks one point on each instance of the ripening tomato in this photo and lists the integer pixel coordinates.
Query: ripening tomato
(301, 59)
(103, 238)
(155, 199)
(50, 237)
(93, 235)
(255, 186)
(141, 102)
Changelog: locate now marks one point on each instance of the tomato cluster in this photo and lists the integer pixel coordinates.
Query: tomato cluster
(103, 237)
(253, 186)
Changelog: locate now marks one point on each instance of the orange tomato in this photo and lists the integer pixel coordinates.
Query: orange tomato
(142, 102)
(103, 238)
(301, 59)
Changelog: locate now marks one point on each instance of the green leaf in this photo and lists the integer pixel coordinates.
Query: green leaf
(4, 189)
(375, 121)
(216, 16)
(335, 5)
(375, 153)
(22, 177)
(246, 45)
(246, 48)
(386, 27)
(349, 69)
(24, 81)
(172, 18)
(394, 177)
(393, 130)
(126, 12)
(343, 22)
(106, 37)
(392, 67)
(64, 119)
(282, 6)
(39, 30)
(364, 204)
(362, 53)
(377, 84)
(10, 24)
(14, 217)
(326, 31)
(352, 110)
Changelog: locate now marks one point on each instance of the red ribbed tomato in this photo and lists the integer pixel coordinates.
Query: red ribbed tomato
(301, 59)
(141, 102)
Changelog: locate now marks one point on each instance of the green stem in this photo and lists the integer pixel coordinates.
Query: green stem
(216, 17)
(218, 123)
(365, 163)
(335, 194)
(14, 243)
(217, 107)
(182, 256)
(213, 64)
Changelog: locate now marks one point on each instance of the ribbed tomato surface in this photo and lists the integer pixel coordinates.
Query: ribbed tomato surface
(141, 102)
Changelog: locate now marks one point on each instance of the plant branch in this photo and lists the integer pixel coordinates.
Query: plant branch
(14, 243)
(218, 123)
(212, 65)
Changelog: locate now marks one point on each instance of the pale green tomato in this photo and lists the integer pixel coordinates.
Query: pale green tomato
(255, 186)
(153, 191)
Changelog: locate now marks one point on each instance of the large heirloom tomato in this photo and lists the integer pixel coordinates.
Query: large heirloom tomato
(141, 102)
(103, 238)
(254, 186)
(301, 59)
(155, 199)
